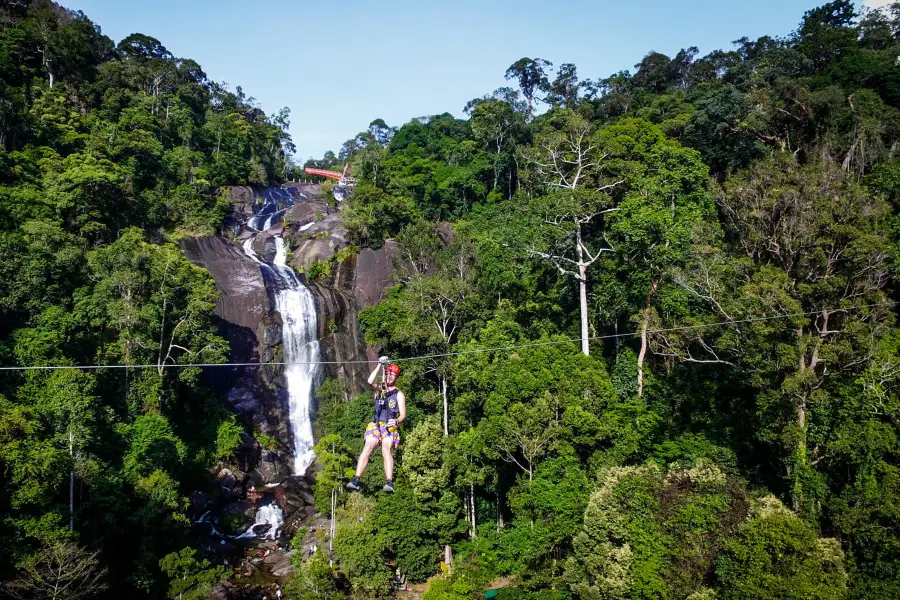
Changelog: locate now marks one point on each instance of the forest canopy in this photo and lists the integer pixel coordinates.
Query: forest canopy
(686, 269)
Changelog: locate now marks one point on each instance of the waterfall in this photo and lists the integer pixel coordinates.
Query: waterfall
(300, 344)
(297, 308)
(269, 515)
(271, 220)
(248, 249)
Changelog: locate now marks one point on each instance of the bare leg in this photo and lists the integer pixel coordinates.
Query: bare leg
(364, 457)
(387, 448)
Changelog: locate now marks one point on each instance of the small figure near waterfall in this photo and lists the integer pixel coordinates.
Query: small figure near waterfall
(390, 411)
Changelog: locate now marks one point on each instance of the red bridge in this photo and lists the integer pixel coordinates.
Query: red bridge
(340, 177)
(324, 173)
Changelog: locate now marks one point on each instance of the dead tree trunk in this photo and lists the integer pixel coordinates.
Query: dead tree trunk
(644, 325)
(446, 405)
(72, 483)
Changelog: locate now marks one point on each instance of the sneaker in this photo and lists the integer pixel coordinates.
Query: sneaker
(353, 484)
(389, 487)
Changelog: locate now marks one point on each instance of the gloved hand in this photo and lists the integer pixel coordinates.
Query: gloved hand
(384, 360)
(392, 423)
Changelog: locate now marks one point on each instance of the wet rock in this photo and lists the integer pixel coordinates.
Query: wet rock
(243, 400)
(273, 557)
(316, 250)
(217, 545)
(283, 569)
(272, 332)
(221, 592)
(358, 282)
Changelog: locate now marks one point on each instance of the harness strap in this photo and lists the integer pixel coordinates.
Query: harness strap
(382, 405)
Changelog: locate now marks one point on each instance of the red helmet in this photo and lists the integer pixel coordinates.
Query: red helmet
(393, 368)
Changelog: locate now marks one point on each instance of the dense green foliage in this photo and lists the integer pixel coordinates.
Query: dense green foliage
(731, 222)
(108, 154)
(723, 228)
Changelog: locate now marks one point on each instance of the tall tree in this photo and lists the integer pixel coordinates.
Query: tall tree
(498, 127)
(563, 91)
(530, 74)
(568, 163)
(61, 571)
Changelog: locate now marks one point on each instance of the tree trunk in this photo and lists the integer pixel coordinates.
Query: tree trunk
(468, 512)
(332, 531)
(448, 557)
(47, 66)
(582, 288)
(618, 339)
(643, 352)
(472, 507)
(798, 464)
(640, 360)
(446, 405)
(530, 482)
(71, 485)
(582, 291)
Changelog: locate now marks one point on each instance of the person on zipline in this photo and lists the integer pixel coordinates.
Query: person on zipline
(390, 410)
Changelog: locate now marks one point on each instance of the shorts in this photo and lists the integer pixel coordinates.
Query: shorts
(382, 431)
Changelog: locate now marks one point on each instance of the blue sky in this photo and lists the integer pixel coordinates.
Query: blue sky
(338, 66)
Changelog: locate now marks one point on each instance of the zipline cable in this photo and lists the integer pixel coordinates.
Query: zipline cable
(449, 354)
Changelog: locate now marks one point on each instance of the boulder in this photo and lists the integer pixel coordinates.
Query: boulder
(237, 517)
(294, 493)
(273, 467)
(285, 567)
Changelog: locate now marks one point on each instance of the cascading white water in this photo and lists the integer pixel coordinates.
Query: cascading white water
(271, 219)
(294, 302)
(248, 249)
(269, 514)
(297, 308)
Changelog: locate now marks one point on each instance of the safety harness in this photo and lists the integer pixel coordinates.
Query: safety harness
(386, 406)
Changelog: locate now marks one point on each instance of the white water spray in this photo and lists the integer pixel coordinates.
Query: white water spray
(297, 308)
(269, 514)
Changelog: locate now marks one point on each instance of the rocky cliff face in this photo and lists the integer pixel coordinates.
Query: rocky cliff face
(315, 234)
(356, 281)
